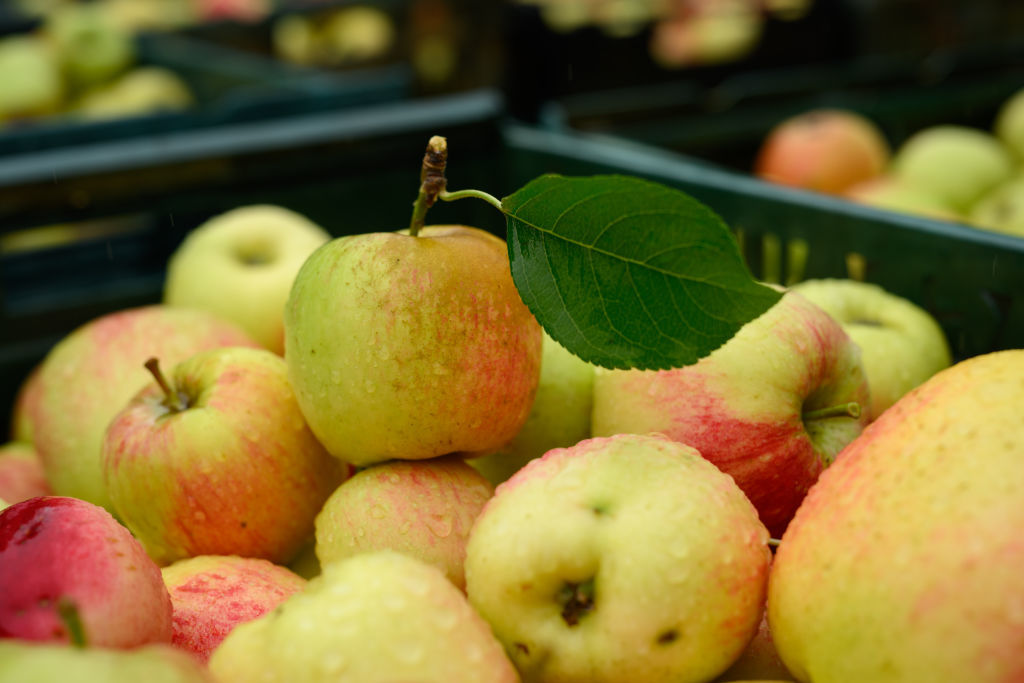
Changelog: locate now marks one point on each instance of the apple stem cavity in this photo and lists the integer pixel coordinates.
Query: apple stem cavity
(172, 399)
(577, 600)
(851, 409)
(68, 612)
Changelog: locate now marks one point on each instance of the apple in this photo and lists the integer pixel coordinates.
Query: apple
(423, 508)
(357, 34)
(901, 344)
(628, 558)
(32, 84)
(559, 417)
(29, 662)
(217, 460)
(903, 564)
(141, 91)
(93, 48)
(21, 473)
(1009, 124)
(411, 347)
(241, 266)
(212, 594)
(21, 424)
(889, 192)
(826, 150)
(376, 616)
(954, 164)
(70, 572)
(709, 32)
(237, 10)
(94, 371)
(1002, 208)
(771, 407)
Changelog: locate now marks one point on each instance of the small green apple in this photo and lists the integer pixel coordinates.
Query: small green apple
(241, 266)
(32, 84)
(143, 90)
(560, 415)
(901, 344)
(25, 662)
(955, 164)
(889, 192)
(376, 616)
(1009, 123)
(629, 558)
(93, 48)
(1001, 209)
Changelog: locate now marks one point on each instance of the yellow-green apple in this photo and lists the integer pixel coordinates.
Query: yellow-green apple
(92, 47)
(32, 83)
(143, 90)
(241, 266)
(217, 460)
(411, 347)
(759, 662)
(903, 564)
(424, 509)
(21, 473)
(94, 371)
(71, 572)
(827, 150)
(771, 407)
(30, 662)
(1002, 208)
(954, 164)
(559, 417)
(212, 594)
(889, 192)
(21, 424)
(704, 33)
(901, 344)
(621, 558)
(377, 616)
(356, 34)
(1009, 124)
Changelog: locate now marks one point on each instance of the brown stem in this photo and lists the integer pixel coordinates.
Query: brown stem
(171, 398)
(432, 181)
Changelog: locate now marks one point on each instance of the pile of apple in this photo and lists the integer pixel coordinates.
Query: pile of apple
(950, 172)
(362, 459)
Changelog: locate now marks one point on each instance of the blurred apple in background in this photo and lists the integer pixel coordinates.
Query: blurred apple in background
(560, 415)
(216, 459)
(901, 344)
(1002, 208)
(92, 48)
(377, 616)
(424, 509)
(889, 192)
(771, 407)
(21, 423)
(826, 150)
(212, 594)
(141, 91)
(71, 573)
(32, 83)
(26, 662)
(91, 374)
(241, 265)
(630, 558)
(21, 473)
(1009, 124)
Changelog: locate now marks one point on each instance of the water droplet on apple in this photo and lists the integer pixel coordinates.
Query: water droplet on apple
(404, 528)
(445, 619)
(369, 386)
(199, 516)
(384, 354)
(361, 532)
(378, 512)
(393, 602)
(336, 376)
(439, 525)
(410, 653)
(440, 369)
(474, 653)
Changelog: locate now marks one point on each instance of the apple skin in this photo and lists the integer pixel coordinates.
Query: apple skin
(742, 406)
(1001, 209)
(377, 616)
(424, 509)
(21, 473)
(55, 549)
(411, 347)
(955, 164)
(92, 47)
(1009, 124)
(901, 344)
(237, 472)
(93, 372)
(672, 552)
(33, 85)
(903, 564)
(889, 192)
(21, 423)
(29, 662)
(559, 417)
(826, 150)
(212, 594)
(241, 265)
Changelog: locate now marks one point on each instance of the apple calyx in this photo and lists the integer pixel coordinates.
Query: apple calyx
(851, 409)
(577, 599)
(68, 613)
(173, 399)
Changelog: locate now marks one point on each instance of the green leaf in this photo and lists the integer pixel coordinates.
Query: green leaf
(627, 273)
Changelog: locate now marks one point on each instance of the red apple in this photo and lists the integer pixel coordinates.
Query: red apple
(66, 565)
(21, 473)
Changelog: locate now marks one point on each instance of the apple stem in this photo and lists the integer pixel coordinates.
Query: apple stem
(774, 542)
(851, 409)
(477, 194)
(68, 613)
(171, 398)
(432, 181)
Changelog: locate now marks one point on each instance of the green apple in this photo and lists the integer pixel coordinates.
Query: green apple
(32, 83)
(771, 407)
(241, 266)
(629, 558)
(954, 164)
(93, 48)
(411, 347)
(903, 564)
(212, 594)
(901, 344)
(889, 192)
(560, 415)
(424, 509)
(1009, 124)
(826, 150)
(21, 473)
(94, 371)
(377, 616)
(357, 34)
(24, 662)
(1001, 209)
(141, 91)
(217, 460)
